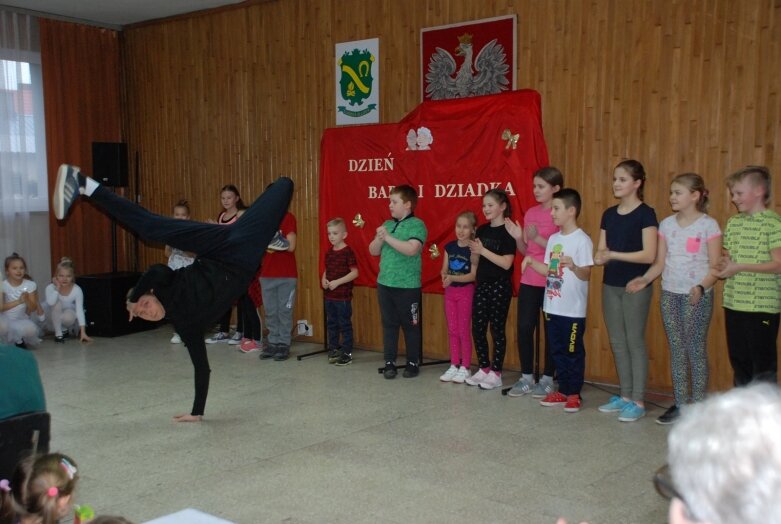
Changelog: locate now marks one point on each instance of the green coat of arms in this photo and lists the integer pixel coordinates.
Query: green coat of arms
(356, 81)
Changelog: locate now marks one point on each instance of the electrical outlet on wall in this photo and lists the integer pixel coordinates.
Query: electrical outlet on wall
(303, 327)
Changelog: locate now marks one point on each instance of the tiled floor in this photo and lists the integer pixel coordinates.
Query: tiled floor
(308, 442)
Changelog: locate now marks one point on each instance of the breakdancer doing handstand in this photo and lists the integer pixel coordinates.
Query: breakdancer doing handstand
(193, 297)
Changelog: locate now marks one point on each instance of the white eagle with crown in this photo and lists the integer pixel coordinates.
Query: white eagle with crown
(487, 75)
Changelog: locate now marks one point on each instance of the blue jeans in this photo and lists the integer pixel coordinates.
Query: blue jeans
(339, 315)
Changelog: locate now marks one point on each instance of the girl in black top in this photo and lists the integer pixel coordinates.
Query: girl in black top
(496, 248)
(192, 297)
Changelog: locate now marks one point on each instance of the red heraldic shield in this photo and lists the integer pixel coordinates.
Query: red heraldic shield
(450, 151)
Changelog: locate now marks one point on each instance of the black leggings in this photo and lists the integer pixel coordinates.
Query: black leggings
(240, 245)
(490, 306)
(530, 299)
(248, 318)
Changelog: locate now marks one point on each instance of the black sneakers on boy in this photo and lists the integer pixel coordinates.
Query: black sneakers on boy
(345, 359)
(390, 370)
(411, 370)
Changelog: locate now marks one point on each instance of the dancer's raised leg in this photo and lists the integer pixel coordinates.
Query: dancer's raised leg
(241, 243)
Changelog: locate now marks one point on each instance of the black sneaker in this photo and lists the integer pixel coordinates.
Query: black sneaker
(269, 352)
(345, 359)
(283, 353)
(67, 189)
(669, 416)
(411, 370)
(390, 370)
(59, 339)
(21, 345)
(333, 356)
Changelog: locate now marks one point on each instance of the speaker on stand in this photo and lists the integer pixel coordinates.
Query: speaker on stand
(109, 167)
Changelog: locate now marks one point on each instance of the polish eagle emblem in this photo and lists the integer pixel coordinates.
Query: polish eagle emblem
(486, 75)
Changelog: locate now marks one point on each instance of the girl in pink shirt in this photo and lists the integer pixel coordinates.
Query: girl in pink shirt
(531, 241)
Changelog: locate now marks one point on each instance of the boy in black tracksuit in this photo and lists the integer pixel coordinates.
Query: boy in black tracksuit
(193, 297)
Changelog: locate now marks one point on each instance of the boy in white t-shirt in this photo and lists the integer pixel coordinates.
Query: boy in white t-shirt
(569, 259)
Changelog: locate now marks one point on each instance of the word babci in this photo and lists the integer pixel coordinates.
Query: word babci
(461, 190)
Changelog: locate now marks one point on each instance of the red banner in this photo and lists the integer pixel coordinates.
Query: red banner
(450, 151)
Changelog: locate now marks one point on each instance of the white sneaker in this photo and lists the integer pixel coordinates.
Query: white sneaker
(477, 378)
(176, 339)
(235, 340)
(217, 338)
(448, 375)
(461, 375)
(491, 381)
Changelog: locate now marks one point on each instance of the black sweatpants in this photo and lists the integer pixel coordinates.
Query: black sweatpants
(400, 308)
(751, 344)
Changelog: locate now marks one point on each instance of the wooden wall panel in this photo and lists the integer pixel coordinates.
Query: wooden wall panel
(243, 95)
(81, 79)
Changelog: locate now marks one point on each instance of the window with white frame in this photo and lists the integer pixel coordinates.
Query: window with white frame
(22, 135)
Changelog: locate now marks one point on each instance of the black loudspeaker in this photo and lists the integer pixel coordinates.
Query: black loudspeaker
(104, 304)
(109, 163)
(19, 435)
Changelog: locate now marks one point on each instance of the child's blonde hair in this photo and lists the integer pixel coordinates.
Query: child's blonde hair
(36, 486)
(694, 182)
(755, 175)
(66, 263)
(469, 215)
(336, 221)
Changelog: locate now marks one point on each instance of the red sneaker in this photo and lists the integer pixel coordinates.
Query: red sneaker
(573, 404)
(554, 399)
(249, 346)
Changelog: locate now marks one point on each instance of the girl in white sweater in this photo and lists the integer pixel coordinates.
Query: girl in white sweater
(20, 303)
(65, 302)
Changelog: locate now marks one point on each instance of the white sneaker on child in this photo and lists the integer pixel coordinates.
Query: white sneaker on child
(448, 375)
(477, 378)
(491, 381)
(461, 375)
